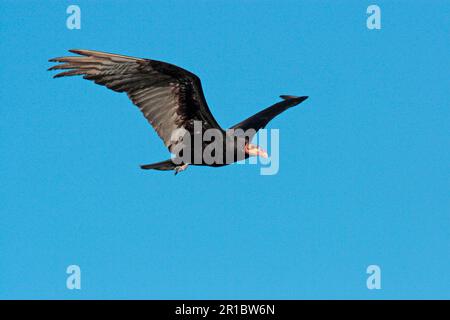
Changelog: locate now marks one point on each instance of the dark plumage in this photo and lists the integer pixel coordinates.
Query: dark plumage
(170, 98)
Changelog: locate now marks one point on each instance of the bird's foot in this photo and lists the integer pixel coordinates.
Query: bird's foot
(180, 168)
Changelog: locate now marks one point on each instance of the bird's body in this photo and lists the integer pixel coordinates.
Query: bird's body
(173, 102)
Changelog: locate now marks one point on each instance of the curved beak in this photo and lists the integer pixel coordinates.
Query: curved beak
(263, 153)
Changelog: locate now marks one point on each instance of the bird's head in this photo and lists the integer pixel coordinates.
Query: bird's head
(254, 150)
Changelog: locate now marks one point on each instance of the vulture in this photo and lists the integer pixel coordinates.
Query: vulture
(172, 101)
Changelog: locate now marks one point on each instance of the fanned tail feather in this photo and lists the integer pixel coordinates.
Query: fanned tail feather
(163, 165)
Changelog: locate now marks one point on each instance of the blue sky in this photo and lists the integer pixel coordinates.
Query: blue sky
(364, 172)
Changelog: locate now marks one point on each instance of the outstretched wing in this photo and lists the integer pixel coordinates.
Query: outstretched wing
(262, 118)
(170, 97)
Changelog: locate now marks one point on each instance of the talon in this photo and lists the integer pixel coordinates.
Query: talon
(180, 168)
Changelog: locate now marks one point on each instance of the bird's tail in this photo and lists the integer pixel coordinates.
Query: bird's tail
(163, 165)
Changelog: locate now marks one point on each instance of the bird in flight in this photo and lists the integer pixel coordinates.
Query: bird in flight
(172, 100)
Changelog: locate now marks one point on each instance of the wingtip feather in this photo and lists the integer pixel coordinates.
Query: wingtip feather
(82, 52)
(290, 97)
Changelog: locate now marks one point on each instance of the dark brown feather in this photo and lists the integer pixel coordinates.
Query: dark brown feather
(261, 119)
(169, 97)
